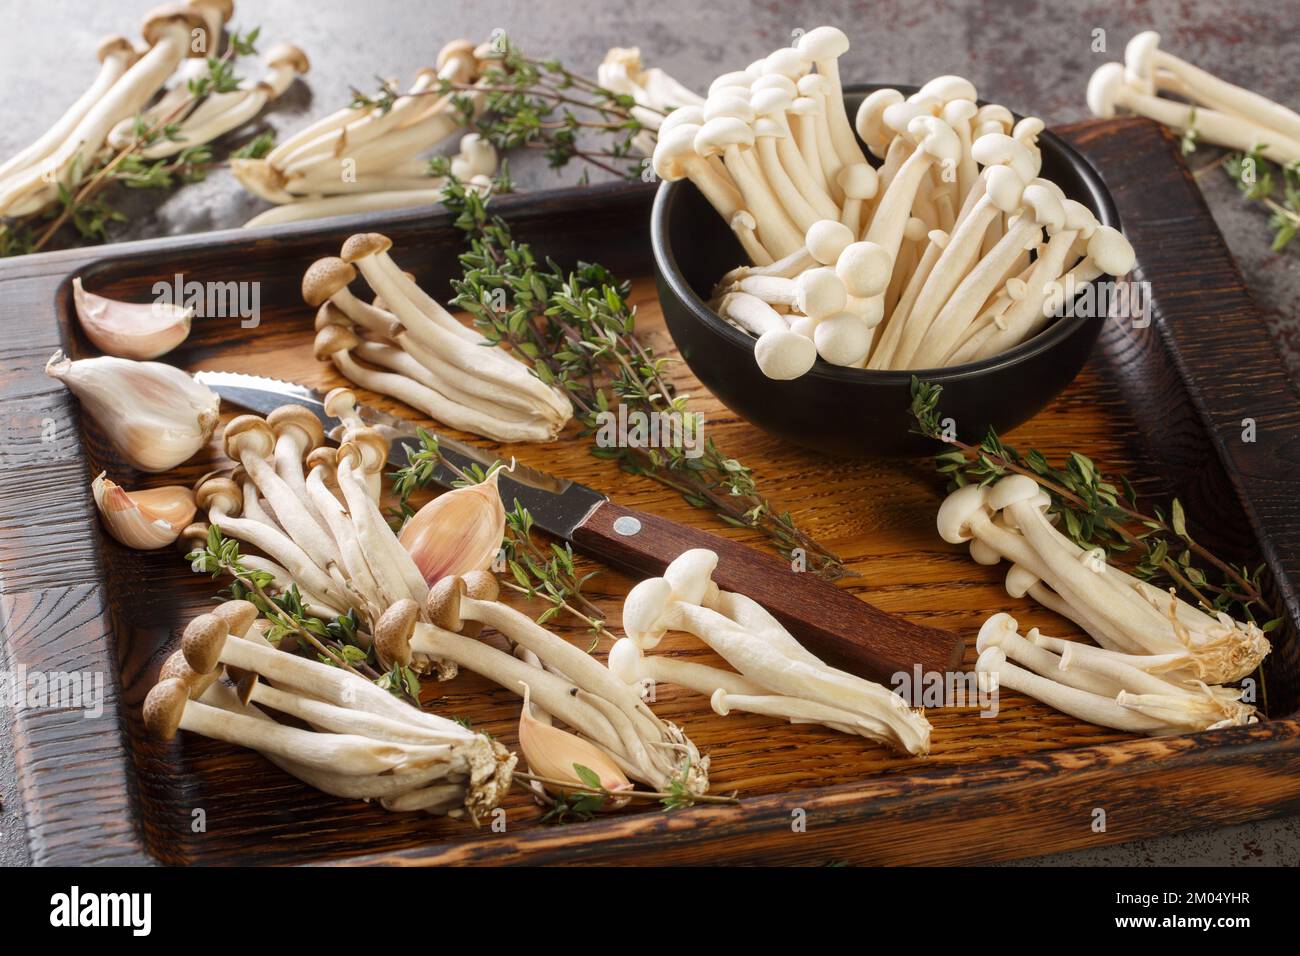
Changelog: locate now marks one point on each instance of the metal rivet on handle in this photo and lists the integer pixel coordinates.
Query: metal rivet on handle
(627, 526)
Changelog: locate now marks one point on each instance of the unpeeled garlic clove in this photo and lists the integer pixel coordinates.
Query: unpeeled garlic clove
(156, 415)
(144, 520)
(555, 754)
(457, 532)
(129, 329)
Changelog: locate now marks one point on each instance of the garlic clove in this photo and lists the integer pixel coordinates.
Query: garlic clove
(144, 520)
(156, 415)
(555, 754)
(457, 532)
(129, 329)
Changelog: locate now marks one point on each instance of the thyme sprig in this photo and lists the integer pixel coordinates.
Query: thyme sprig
(1097, 512)
(574, 804)
(1275, 187)
(579, 332)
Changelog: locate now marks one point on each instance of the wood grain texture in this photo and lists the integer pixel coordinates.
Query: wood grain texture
(102, 791)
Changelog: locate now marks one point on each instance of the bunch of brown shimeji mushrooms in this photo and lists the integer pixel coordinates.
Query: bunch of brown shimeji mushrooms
(308, 516)
(953, 250)
(363, 743)
(1207, 108)
(406, 345)
(774, 674)
(367, 157)
(119, 108)
(1162, 666)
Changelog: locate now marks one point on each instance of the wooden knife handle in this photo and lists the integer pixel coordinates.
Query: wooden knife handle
(829, 622)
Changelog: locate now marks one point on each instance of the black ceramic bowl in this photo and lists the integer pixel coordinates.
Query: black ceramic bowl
(848, 411)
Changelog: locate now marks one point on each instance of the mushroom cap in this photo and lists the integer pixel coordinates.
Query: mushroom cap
(1004, 187)
(981, 553)
(1027, 130)
(958, 112)
(869, 121)
(843, 339)
(1010, 490)
(393, 632)
(193, 535)
(324, 278)
(868, 309)
(218, 490)
(947, 88)
(805, 325)
(773, 81)
(287, 417)
(248, 434)
(372, 445)
(824, 43)
(202, 642)
(1105, 89)
(858, 180)
(644, 609)
(289, 55)
(1140, 61)
(364, 244)
(770, 100)
(728, 104)
(340, 402)
(674, 151)
(114, 44)
(897, 116)
(989, 661)
(625, 660)
(722, 132)
(787, 61)
(1079, 218)
(325, 456)
(262, 179)
(1045, 207)
(999, 149)
(935, 137)
(442, 604)
(1112, 253)
(826, 240)
(689, 574)
(819, 292)
(1019, 580)
(481, 585)
(334, 338)
(995, 630)
(814, 85)
(226, 8)
(783, 354)
(331, 314)
(718, 701)
(692, 115)
(915, 229)
(734, 78)
(176, 667)
(164, 707)
(953, 519)
(864, 268)
(158, 21)
(237, 615)
(464, 51)
(995, 113)
(805, 106)
(768, 128)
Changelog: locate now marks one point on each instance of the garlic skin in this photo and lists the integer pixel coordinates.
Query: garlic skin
(143, 520)
(129, 329)
(457, 532)
(156, 415)
(552, 752)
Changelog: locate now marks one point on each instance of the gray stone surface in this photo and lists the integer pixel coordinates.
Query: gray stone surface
(1034, 57)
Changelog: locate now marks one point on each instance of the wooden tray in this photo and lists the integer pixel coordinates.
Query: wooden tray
(1164, 402)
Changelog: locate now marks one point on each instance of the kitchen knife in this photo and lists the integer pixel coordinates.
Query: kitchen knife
(829, 621)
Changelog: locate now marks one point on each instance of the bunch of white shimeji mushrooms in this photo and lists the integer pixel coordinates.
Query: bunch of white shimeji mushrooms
(774, 674)
(1207, 108)
(408, 346)
(953, 250)
(116, 109)
(1162, 664)
(367, 157)
(362, 742)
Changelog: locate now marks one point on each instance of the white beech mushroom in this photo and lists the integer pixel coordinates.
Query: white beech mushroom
(824, 46)
(780, 353)
(731, 138)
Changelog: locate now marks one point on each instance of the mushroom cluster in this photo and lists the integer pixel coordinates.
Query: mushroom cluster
(559, 682)
(361, 742)
(407, 346)
(774, 674)
(1206, 107)
(179, 39)
(951, 250)
(1135, 623)
(367, 157)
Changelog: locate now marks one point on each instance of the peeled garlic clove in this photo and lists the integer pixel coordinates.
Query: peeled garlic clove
(144, 520)
(457, 532)
(156, 415)
(129, 329)
(554, 753)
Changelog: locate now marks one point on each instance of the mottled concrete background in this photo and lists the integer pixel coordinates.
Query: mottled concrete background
(1033, 57)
